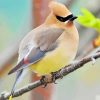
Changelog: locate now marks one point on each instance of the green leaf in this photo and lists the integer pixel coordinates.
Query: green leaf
(97, 25)
(87, 13)
(87, 19)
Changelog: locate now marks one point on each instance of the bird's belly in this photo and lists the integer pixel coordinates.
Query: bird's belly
(53, 61)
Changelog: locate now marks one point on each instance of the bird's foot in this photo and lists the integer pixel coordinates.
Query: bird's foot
(61, 73)
(43, 80)
(53, 77)
(93, 60)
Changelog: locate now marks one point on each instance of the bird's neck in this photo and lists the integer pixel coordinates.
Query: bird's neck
(72, 33)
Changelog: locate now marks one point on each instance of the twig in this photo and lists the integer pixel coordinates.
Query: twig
(66, 70)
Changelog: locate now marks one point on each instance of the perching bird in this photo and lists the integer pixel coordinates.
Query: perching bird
(50, 46)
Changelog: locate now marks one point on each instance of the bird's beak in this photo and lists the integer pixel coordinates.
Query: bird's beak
(70, 21)
(73, 18)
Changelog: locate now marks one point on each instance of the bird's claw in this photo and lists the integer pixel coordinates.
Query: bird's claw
(43, 80)
(61, 73)
(93, 60)
(53, 77)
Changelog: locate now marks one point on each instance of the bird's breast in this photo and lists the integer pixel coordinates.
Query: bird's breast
(56, 59)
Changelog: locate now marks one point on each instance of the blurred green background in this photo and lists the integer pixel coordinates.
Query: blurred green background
(17, 19)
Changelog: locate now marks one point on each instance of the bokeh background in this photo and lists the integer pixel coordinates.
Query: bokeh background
(17, 18)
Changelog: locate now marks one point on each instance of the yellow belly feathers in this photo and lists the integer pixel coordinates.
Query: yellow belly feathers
(55, 60)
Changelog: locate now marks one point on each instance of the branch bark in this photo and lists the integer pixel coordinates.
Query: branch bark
(63, 72)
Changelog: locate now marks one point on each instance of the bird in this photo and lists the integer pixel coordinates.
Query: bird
(50, 46)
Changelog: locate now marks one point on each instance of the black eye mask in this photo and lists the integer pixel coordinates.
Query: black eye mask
(64, 19)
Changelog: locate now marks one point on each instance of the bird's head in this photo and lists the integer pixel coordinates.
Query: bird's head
(60, 14)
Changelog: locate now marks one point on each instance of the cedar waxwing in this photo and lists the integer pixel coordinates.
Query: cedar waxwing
(50, 46)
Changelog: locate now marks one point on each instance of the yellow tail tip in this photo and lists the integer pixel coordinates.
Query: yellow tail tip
(10, 97)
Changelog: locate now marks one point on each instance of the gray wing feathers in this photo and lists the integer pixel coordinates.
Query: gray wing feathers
(45, 40)
(47, 37)
(34, 56)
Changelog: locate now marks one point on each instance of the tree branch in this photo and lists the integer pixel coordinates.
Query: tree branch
(66, 70)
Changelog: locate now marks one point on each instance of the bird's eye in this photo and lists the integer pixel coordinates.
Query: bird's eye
(62, 19)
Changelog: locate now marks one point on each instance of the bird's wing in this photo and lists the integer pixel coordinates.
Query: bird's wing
(30, 58)
(46, 43)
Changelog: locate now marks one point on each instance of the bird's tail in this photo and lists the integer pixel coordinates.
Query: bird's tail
(19, 73)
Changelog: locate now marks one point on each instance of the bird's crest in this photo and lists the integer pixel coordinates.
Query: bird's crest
(59, 9)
